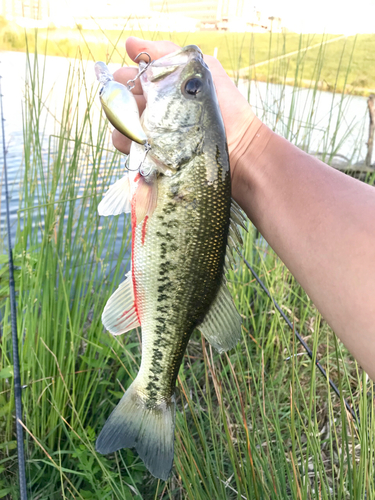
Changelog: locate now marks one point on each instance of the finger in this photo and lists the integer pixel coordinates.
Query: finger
(141, 101)
(121, 142)
(123, 75)
(156, 50)
(213, 64)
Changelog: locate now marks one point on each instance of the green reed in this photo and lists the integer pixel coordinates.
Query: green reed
(255, 423)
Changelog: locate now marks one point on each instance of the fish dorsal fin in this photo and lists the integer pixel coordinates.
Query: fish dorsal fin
(120, 313)
(237, 220)
(116, 200)
(222, 324)
(237, 215)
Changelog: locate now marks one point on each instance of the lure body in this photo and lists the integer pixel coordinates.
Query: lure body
(119, 105)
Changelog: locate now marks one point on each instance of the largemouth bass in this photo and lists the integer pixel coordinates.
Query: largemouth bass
(184, 229)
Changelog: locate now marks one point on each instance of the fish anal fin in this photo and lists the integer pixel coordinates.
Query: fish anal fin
(222, 324)
(120, 313)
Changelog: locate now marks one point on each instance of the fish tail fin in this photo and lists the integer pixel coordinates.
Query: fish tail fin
(149, 428)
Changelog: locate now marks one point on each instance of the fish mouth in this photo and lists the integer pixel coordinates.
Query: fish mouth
(160, 68)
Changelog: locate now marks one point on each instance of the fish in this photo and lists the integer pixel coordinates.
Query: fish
(185, 229)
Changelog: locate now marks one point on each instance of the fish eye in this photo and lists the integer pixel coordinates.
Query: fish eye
(193, 87)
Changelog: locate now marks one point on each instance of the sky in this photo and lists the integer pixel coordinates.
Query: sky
(332, 16)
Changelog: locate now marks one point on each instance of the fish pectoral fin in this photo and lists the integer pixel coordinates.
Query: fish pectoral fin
(148, 428)
(145, 197)
(120, 313)
(117, 199)
(222, 324)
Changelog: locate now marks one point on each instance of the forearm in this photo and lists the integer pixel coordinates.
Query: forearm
(322, 225)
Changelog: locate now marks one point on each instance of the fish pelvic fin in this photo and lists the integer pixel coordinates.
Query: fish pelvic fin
(147, 427)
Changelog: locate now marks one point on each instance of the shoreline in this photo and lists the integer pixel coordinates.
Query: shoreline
(320, 85)
(305, 83)
(342, 68)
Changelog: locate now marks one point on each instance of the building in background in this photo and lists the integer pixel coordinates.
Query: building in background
(149, 15)
(204, 11)
(28, 9)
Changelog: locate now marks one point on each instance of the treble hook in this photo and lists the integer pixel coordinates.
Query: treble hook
(127, 165)
(139, 168)
(131, 83)
(145, 173)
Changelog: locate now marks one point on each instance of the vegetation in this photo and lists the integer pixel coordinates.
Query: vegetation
(256, 423)
(235, 51)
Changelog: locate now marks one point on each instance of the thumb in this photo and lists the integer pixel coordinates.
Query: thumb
(156, 50)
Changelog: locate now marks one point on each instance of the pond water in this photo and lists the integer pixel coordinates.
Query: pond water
(318, 122)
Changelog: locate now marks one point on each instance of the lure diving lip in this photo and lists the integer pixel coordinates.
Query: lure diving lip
(119, 105)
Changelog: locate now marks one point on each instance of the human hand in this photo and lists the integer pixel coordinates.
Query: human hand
(236, 111)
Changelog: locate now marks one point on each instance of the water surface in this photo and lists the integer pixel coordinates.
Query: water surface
(320, 122)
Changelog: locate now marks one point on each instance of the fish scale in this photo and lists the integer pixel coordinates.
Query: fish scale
(182, 239)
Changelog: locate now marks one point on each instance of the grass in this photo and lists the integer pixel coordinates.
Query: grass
(256, 423)
(235, 51)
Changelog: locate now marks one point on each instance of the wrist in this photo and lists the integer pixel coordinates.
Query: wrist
(246, 158)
